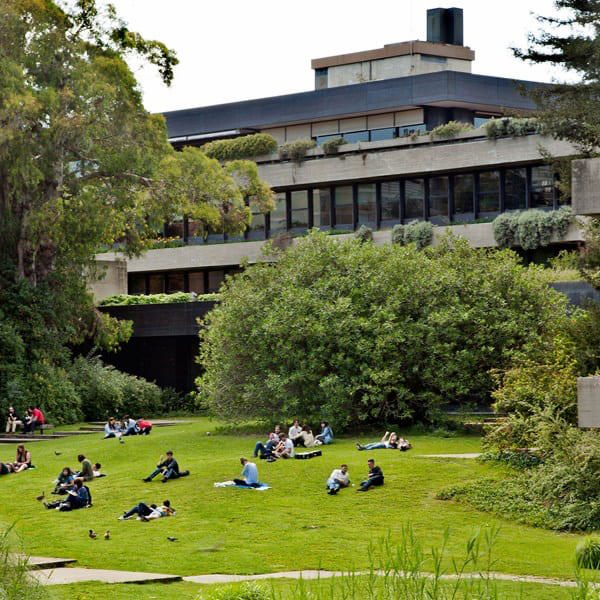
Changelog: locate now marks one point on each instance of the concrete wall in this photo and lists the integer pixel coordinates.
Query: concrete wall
(113, 277)
(588, 402)
(586, 186)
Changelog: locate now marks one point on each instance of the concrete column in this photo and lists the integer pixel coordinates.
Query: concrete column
(588, 402)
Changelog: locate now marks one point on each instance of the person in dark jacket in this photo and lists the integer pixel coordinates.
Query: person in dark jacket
(78, 496)
(169, 469)
(375, 477)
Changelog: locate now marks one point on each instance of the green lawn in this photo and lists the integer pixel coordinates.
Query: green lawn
(293, 526)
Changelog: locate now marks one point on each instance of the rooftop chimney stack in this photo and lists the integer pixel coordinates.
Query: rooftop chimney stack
(445, 26)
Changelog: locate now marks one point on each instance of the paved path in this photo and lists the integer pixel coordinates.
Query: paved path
(465, 455)
(78, 574)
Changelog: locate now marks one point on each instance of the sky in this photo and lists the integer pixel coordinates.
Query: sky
(232, 50)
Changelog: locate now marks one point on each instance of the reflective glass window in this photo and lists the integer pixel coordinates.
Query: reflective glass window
(489, 192)
(299, 205)
(367, 204)
(356, 136)
(322, 207)
(175, 283)
(343, 206)
(278, 221)
(438, 199)
(388, 133)
(196, 282)
(407, 130)
(257, 223)
(156, 284)
(542, 187)
(516, 189)
(414, 198)
(215, 279)
(390, 202)
(136, 283)
(463, 195)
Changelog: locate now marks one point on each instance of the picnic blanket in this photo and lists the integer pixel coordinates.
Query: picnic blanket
(260, 488)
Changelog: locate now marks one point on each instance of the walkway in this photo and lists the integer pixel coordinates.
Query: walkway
(465, 455)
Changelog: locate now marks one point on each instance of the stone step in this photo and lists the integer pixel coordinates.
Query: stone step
(62, 576)
(35, 563)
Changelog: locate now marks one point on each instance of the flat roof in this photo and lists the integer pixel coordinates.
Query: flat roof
(443, 88)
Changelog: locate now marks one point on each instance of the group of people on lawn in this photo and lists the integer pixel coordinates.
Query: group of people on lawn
(125, 427)
(21, 463)
(72, 484)
(282, 445)
(33, 418)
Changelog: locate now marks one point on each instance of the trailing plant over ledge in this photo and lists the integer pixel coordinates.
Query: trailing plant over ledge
(450, 129)
(176, 298)
(531, 229)
(364, 234)
(297, 149)
(514, 126)
(418, 232)
(247, 146)
(331, 146)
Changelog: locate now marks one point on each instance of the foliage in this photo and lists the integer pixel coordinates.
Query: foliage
(531, 229)
(296, 150)
(513, 126)
(176, 298)
(587, 553)
(356, 333)
(418, 232)
(331, 146)
(450, 129)
(164, 242)
(248, 591)
(104, 391)
(590, 254)
(364, 234)
(565, 260)
(247, 146)
(522, 459)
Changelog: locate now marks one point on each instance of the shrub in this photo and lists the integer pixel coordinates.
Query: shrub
(587, 553)
(176, 298)
(418, 232)
(165, 242)
(248, 591)
(531, 229)
(450, 129)
(364, 234)
(247, 146)
(331, 146)
(514, 126)
(565, 260)
(297, 149)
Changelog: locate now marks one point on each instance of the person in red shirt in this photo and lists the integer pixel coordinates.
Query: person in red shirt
(37, 419)
(144, 427)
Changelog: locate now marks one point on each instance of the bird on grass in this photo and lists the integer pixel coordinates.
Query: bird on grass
(57, 453)
(40, 497)
(172, 539)
(121, 440)
(107, 535)
(92, 534)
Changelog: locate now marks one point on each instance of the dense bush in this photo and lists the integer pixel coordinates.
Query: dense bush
(176, 298)
(531, 229)
(331, 146)
(297, 149)
(358, 332)
(587, 553)
(247, 146)
(364, 234)
(419, 233)
(450, 129)
(514, 126)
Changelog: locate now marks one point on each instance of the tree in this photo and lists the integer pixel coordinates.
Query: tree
(356, 332)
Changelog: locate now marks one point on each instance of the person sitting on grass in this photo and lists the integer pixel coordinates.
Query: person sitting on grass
(295, 431)
(77, 497)
(339, 478)
(326, 434)
(64, 481)
(306, 439)
(144, 427)
(169, 469)
(375, 477)
(249, 474)
(86, 472)
(147, 513)
(22, 459)
(389, 441)
(285, 448)
(112, 430)
(265, 450)
(128, 426)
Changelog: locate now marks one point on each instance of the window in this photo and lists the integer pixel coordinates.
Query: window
(175, 283)
(489, 192)
(438, 199)
(196, 282)
(321, 78)
(322, 207)
(367, 204)
(325, 138)
(480, 120)
(414, 199)
(215, 279)
(463, 197)
(299, 213)
(174, 228)
(542, 187)
(278, 221)
(156, 284)
(136, 283)
(388, 133)
(407, 130)
(343, 206)
(516, 189)
(390, 202)
(257, 225)
(356, 136)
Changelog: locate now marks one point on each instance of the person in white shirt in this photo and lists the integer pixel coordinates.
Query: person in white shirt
(249, 474)
(339, 478)
(294, 431)
(285, 448)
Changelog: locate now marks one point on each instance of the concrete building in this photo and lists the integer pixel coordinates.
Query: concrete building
(389, 170)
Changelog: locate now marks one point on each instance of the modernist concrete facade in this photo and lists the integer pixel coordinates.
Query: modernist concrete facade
(588, 402)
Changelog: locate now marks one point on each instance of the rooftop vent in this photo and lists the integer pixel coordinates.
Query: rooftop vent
(445, 25)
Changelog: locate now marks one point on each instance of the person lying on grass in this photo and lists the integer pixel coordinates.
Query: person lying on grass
(375, 477)
(78, 496)
(169, 469)
(267, 448)
(249, 474)
(148, 513)
(64, 481)
(390, 441)
(6, 468)
(339, 478)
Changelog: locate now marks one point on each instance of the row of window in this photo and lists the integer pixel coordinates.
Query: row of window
(200, 281)
(373, 135)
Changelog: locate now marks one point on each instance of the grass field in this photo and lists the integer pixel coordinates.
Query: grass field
(295, 525)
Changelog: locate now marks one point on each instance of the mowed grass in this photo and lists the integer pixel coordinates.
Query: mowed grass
(295, 525)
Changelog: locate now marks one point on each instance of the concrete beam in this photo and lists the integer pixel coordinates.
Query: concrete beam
(588, 402)
(585, 191)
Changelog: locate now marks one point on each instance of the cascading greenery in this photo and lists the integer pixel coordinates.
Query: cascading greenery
(297, 149)
(419, 233)
(247, 146)
(512, 126)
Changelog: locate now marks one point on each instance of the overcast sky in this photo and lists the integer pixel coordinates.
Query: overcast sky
(238, 49)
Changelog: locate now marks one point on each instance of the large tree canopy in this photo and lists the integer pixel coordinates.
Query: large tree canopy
(362, 333)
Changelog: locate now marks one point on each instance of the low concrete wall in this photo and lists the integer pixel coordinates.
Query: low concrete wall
(588, 402)
(585, 191)
(578, 292)
(113, 280)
